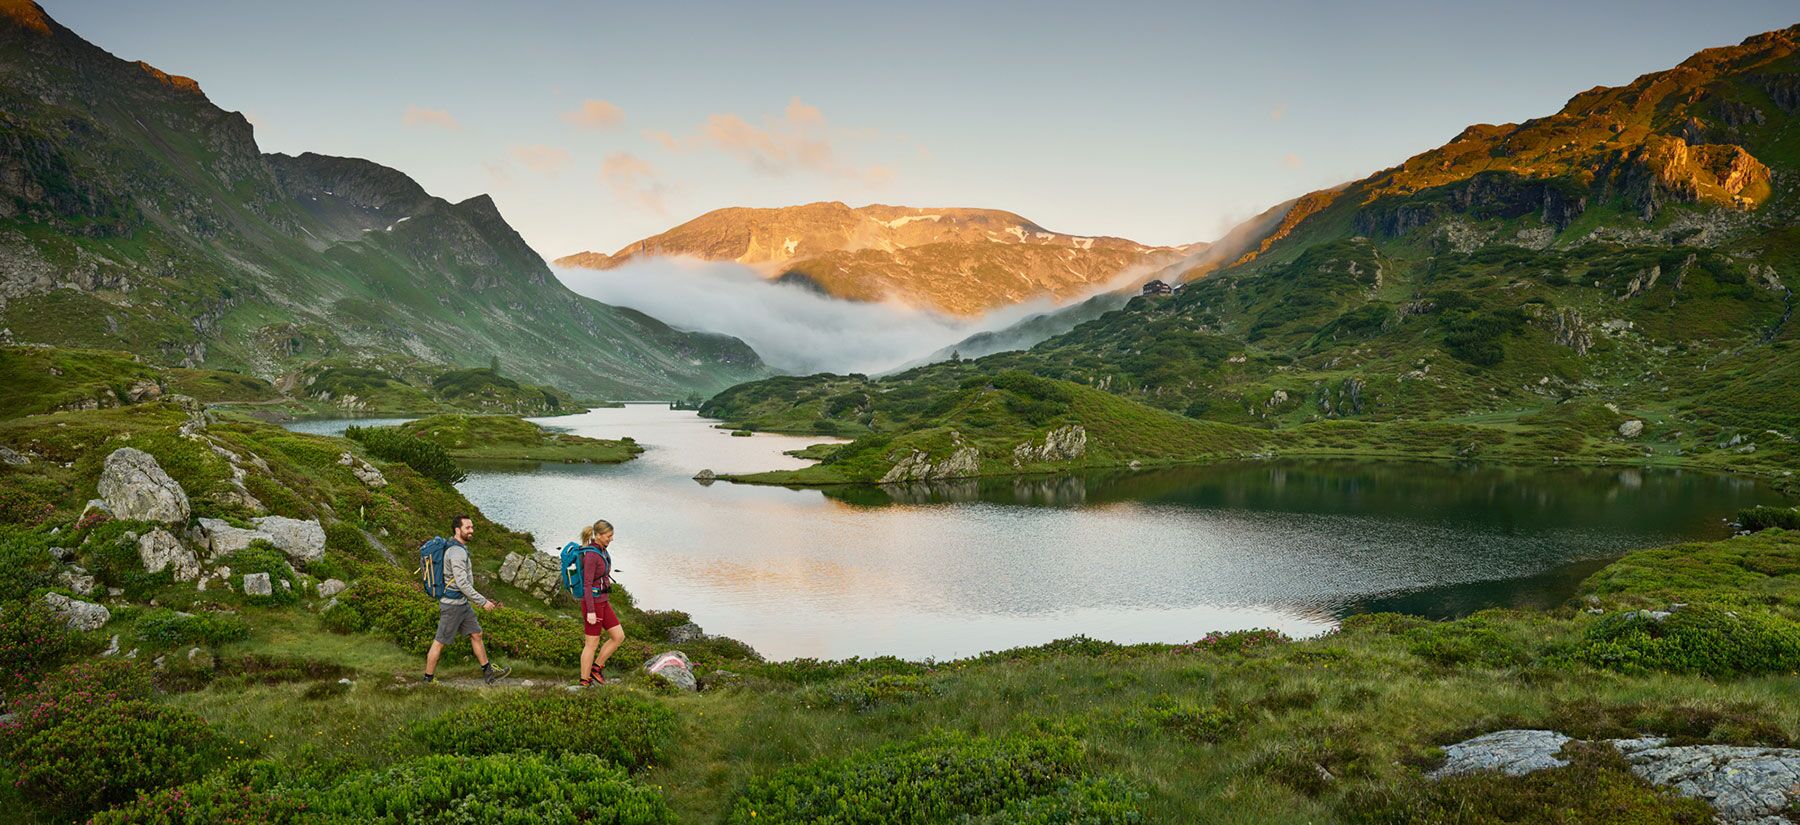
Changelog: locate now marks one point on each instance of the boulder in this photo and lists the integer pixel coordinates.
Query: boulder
(331, 587)
(706, 476)
(112, 647)
(143, 389)
(258, 584)
(539, 574)
(78, 580)
(159, 551)
(78, 614)
(964, 462)
(1511, 752)
(222, 538)
(62, 554)
(7, 455)
(302, 541)
(673, 667)
(135, 487)
(1631, 429)
(1742, 784)
(365, 472)
(681, 634)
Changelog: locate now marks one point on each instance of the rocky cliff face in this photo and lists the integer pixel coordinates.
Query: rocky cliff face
(960, 261)
(136, 215)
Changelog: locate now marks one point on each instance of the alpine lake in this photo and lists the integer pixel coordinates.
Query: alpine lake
(952, 569)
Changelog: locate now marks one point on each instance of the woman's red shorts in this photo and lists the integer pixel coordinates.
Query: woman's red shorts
(608, 619)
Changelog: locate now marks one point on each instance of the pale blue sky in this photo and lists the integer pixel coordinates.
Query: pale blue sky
(1161, 122)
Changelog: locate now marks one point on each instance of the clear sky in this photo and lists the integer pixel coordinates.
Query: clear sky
(594, 124)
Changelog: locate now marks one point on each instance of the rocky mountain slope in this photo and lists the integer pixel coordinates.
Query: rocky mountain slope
(957, 261)
(1613, 282)
(136, 215)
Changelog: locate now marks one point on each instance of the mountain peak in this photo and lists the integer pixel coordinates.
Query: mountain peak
(174, 81)
(26, 15)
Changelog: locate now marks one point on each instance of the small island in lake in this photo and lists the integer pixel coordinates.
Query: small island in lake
(507, 438)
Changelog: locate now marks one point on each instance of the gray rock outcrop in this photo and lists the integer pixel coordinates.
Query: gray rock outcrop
(681, 634)
(134, 486)
(1511, 752)
(1631, 429)
(258, 584)
(672, 667)
(964, 462)
(78, 614)
(331, 587)
(221, 538)
(1744, 785)
(1066, 443)
(159, 551)
(302, 540)
(365, 472)
(78, 580)
(8, 456)
(538, 574)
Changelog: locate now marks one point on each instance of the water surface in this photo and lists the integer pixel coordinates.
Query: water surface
(1167, 555)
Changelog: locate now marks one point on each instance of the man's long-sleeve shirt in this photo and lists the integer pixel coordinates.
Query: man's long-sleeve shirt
(458, 575)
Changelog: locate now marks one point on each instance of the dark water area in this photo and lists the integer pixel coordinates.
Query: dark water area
(952, 569)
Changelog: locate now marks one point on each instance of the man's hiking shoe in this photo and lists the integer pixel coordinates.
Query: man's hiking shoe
(495, 674)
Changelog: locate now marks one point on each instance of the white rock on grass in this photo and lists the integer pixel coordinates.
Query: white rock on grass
(1631, 429)
(302, 540)
(78, 614)
(78, 580)
(331, 587)
(1511, 752)
(672, 667)
(258, 584)
(135, 487)
(224, 539)
(159, 551)
(681, 634)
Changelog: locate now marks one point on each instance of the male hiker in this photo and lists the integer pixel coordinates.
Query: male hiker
(455, 586)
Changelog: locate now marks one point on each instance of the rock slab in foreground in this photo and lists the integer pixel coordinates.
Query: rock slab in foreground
(134, 486)
(1744, 785)
(536, 573)
(302, 540)
(78, 614)
(673, 668)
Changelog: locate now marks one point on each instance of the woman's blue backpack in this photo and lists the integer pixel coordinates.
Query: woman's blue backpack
(571, 569)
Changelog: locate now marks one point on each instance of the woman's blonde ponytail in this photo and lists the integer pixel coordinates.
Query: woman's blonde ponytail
(601, 527)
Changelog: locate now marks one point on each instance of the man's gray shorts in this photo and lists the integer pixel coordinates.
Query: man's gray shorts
(456, 620)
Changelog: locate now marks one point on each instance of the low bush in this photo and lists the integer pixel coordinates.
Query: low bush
(428, 458)
(938, 778)
(1194, 721)
(77, 753)
(24, 562)
(166, 628)
(1096, 802)
(515, 789)
(344, 618)
(33, 641)
(225, 798)
(1236, 641)
(1472, 641)
(1702, 639)
(262, 557)
(1763, 517)
(869, 691)
(620, 728)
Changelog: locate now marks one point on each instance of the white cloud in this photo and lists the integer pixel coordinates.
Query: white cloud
(595, 114)
(634, 181)
(798, 140)
(438, 118)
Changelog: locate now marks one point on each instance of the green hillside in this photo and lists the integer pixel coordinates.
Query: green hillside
(137, 216)
(1535, 287)
(500, 437)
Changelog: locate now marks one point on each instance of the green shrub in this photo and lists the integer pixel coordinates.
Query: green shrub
(224, 798)
(513, 789)
(110, 550)
(1471, 641)
(869, 691)
(428, 458)
(345, 618)
(167, 628)
(620, 728)
(1237, 641)
(935, 779)
(1097, 802)
(1763, 517)
(78, 754)
(1194, 721)
(262, 557)
(1703, 639)
(24, 562)
(33, 641)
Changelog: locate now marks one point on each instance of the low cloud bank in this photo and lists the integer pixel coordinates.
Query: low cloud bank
(795, 329)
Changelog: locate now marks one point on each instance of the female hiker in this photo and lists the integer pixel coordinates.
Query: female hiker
(596, 606)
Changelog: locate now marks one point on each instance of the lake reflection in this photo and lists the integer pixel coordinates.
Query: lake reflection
(952, 569)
